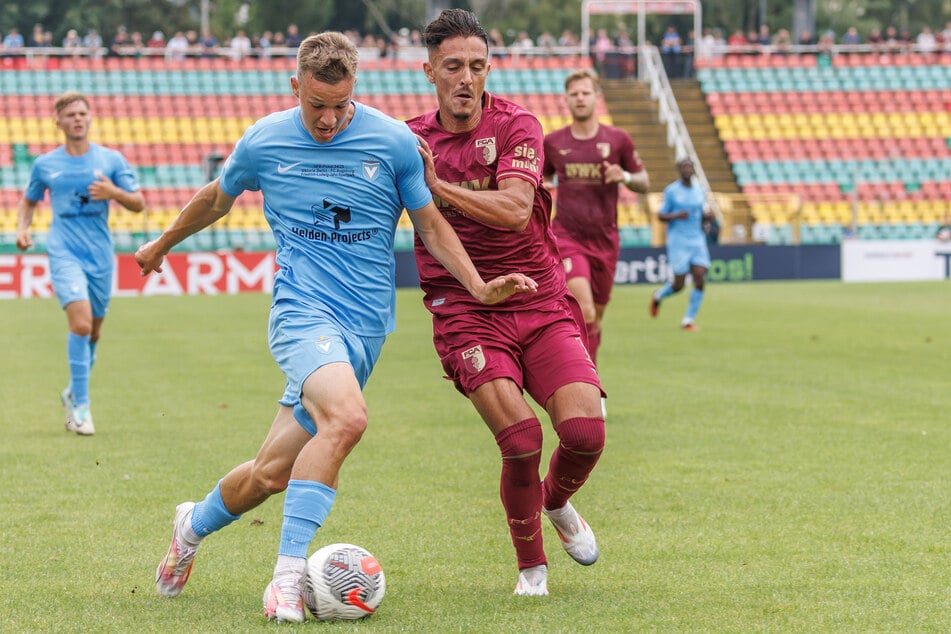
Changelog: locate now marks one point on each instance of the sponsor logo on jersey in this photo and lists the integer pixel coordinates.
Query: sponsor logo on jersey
(526, 157)
(337, 214)
(583, 171)
(330, 212)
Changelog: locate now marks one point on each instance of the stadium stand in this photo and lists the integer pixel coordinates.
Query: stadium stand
(820, 147)
(168, 119)
(827, 147)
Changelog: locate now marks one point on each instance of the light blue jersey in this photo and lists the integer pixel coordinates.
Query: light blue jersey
(686, 242)
(80, 227)
(333, 208)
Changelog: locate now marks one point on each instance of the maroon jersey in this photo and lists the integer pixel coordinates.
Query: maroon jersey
(586, 208)
(507, 143)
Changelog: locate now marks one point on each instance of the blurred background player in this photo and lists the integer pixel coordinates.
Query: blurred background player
(488, 184)
(683, 209)
(336, 176)
(82, 177)
(587, 161)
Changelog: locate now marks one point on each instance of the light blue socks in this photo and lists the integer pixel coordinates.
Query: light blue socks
(211, 514)
(693, 306)
(306, 506)
(77, 354)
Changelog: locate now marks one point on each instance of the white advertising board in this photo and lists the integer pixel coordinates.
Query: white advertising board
(895, 260)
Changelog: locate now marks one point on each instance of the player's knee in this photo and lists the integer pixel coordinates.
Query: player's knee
(521, 439)
(81, 328)
(354, 426)
(585, 436)
(589, 313)
(345, 429)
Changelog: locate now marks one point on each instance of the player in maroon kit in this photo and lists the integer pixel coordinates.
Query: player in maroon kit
(484, 161)
(587, 161)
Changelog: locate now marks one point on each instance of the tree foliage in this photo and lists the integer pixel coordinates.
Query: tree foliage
(380, 17)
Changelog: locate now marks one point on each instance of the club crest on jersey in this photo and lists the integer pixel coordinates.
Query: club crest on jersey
(371, 169)
(604, 148)
(473, 359)
(568, 265)
(488, 149)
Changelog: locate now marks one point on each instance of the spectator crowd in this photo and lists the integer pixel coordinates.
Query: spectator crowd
(613, 55)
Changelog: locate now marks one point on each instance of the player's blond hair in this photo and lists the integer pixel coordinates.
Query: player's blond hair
(584, 73)
(67, 98)
(329, 57)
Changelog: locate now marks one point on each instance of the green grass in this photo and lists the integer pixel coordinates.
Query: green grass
(784, 469)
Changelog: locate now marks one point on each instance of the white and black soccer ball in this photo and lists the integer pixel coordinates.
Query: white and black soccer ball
(343, 582)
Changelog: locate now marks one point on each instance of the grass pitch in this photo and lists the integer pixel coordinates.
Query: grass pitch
(783, 469)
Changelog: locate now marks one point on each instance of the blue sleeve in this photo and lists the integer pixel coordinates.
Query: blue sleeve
(238, 174)
(36, 187)
(122, 174)
(410, 178)
(667, 206)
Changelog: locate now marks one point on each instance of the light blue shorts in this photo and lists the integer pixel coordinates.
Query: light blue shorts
(72, 284)
(682, 256)
(303, 340)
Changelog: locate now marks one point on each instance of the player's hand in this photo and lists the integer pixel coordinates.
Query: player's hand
(504, 286)
(24, 240)
(149, 258)
(429, 161)
(613, 173)
(102, 188)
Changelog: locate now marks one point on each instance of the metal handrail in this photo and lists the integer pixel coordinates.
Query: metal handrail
(678, 137)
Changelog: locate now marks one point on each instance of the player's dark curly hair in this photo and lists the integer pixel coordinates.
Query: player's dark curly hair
(453, 23)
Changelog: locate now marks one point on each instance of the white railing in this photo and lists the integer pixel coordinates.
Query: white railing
(678, 137)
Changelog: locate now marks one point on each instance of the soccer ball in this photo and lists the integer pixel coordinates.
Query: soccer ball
(343, 582)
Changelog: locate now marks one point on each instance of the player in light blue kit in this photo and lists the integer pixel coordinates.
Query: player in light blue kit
(82, 177)
(683, 209)
(336, 176)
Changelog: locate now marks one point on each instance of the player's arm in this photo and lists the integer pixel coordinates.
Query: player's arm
(638, 182)
(508, 207)
(25, 210)
(442, 242)
(208, 205)
(666, 213)
(673, 215)
(104, 189)
(635, 181)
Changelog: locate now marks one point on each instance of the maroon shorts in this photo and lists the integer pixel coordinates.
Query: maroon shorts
(595, 265)
(540, 350)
